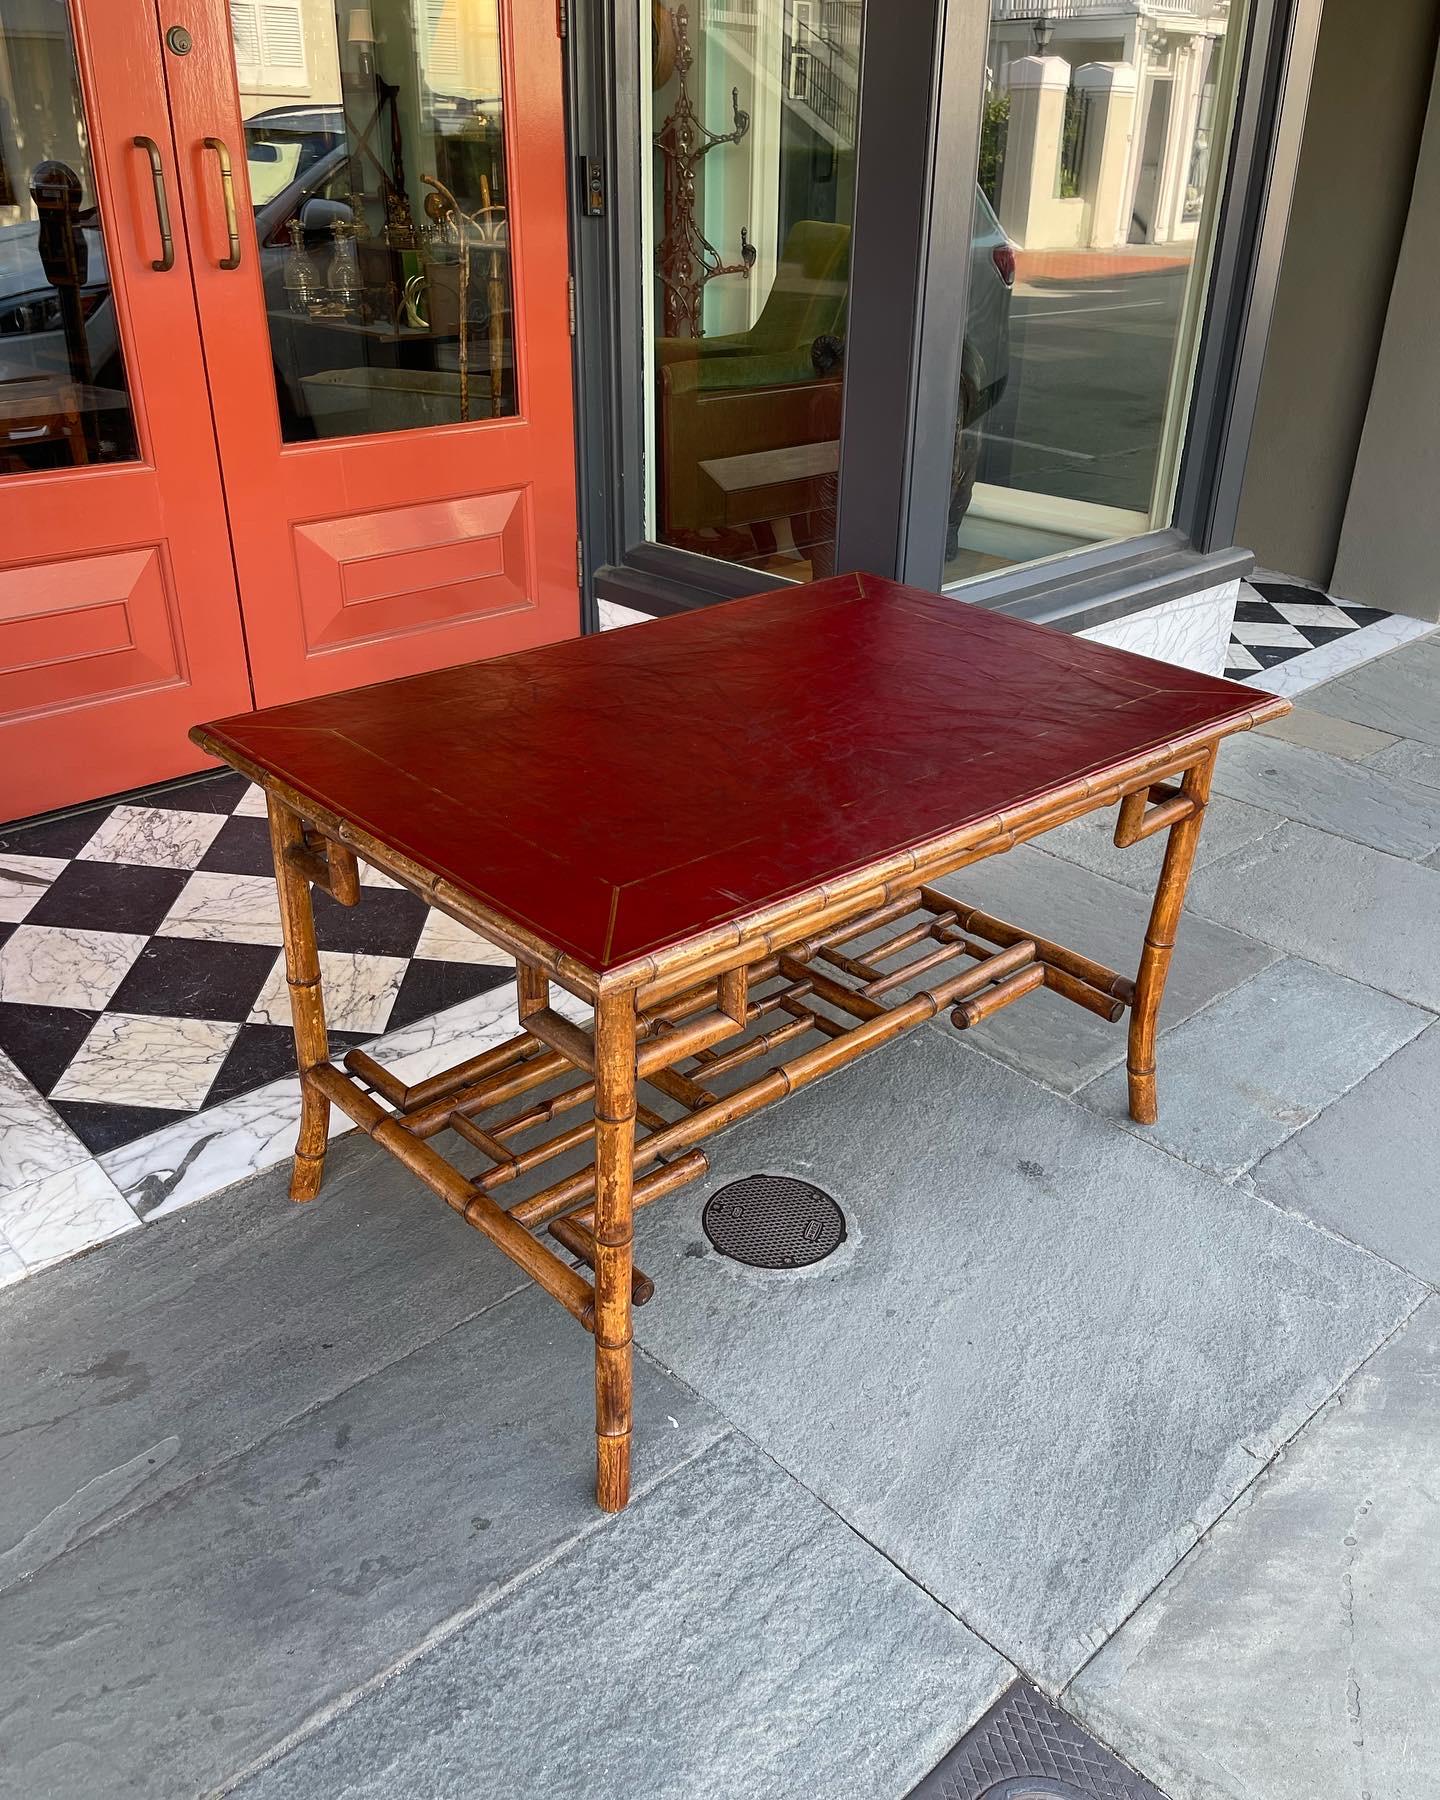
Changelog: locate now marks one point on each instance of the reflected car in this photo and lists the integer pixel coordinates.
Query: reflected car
(34, 347)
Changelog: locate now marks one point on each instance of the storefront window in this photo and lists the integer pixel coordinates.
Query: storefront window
(375, 150)
(1102, 147)
(64, 397)
(752, 121)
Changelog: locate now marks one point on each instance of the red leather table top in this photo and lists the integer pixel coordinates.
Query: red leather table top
(618, 794)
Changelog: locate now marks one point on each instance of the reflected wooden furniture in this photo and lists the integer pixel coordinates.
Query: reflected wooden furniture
(695, 831)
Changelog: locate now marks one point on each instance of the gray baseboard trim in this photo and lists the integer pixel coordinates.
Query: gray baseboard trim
(1072, 593)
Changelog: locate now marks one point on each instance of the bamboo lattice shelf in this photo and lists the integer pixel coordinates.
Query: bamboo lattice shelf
(812, 932)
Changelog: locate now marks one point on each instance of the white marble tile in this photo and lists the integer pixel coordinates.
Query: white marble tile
(1329, 660)
(372, 877)
(613, 615)
(252, 804)
(12, 1266)
(444, 940)
(1192, 631)
(34, 1140)
(23, 879)
(45, 965)
(209, 1151)
(237, 909)
(205, 1152)
(1258, 574)
(359, 991)
(418, 1051)
(129, 1060)
(155, 835)
(1310, 613)
(1238, 657)
(63, 1214)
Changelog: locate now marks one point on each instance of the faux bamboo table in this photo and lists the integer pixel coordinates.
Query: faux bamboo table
(684, 826)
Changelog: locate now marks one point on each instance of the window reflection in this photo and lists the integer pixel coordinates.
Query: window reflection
(1101, 150)
(374, 137)
(64, 401)
(753, 133)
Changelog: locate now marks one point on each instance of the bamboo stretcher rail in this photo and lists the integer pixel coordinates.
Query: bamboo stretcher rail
(876, 1025)
(557, 1278)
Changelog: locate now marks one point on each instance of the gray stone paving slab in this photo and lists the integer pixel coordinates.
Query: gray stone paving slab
(1293, 1655)
(1050, 1038)
(726, 1636)
(1357, 800)
(1410, 761)
(1355, 910)
(1046, 1357)
(165, 1653)
(1244, 1074)
(1321, 731)
(129, 1374)
(1398, 693)
(1369, 1166)
(1091, 842)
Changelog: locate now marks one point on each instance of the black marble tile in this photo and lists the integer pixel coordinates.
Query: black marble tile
(42, 1041)
(1257, 612)
(241, 847)
(1316, 635)
(221, 792)
(101, 1128)
(1364, 615)
(192, 978)
(106, 896)
(262, 1054)
(54, 837)
(1290, 592)
(387, 922)
(430, 987)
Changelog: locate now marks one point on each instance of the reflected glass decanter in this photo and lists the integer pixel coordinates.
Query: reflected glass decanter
(301, 286)
(345, 267)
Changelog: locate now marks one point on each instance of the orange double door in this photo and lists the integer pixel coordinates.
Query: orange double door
(285, 389)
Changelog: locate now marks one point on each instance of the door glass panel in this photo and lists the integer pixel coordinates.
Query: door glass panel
(375, 146)
(751, 119)
(64, 400)
(1102, 151)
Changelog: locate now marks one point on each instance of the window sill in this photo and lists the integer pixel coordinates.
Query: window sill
(1073, 593)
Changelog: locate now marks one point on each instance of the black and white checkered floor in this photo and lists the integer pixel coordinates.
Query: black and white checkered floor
(140, 969)
(1277, 620)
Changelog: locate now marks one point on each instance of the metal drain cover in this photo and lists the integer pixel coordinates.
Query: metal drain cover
(1026, 1749)
(773, 1222)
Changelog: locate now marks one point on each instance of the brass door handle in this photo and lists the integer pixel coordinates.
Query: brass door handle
(227, 189)
(166, 259)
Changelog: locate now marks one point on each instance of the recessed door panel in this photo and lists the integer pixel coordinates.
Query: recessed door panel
(119, 623)
(381, 264)
(410, 569)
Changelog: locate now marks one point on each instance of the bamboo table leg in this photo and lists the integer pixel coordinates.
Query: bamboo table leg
(307, 1006)
(1180, 845)
(615, 1080)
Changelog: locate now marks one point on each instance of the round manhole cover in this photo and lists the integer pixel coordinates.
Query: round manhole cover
(773, 1222)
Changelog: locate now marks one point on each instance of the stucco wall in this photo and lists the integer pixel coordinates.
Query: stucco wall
(1367, 109)
(1389, 538)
